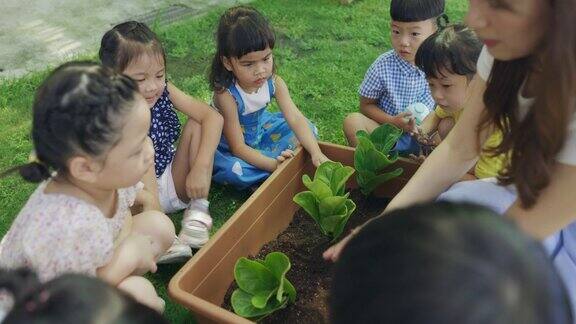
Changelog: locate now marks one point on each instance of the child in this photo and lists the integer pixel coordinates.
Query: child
(448, 58)
(393, 82)
(182, 175)
(70, 299)
(243, 78)
(89, 131)
(445, 263)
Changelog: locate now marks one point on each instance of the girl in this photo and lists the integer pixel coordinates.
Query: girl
(255, 141)
(525, 87)
(448, 58)
(182, 174)
(89, 132)
(70, 299)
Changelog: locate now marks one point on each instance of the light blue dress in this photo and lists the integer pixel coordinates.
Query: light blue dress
(561, 246)
(264, 131)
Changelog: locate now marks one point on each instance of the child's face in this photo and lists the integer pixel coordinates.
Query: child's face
(128, 160)
(511, 29)
(251, 70)
(449, 90)
(148, 71)
(408, 36)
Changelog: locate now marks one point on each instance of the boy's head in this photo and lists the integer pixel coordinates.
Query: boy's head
(445, 263)
(412, 22)
(448, 58)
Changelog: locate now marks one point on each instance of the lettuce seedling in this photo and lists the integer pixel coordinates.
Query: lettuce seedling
(263, 287)
(373, 155)
(325, 200)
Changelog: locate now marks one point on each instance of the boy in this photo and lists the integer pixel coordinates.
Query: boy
(393, 82)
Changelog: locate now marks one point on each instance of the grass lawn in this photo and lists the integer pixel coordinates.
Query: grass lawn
(322, 52)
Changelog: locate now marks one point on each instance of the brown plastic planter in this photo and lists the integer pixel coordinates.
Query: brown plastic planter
(202, 283)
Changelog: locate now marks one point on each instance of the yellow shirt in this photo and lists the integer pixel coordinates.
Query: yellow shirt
(487, 166)
(443, 113)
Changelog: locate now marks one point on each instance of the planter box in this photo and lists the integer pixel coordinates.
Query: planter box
(202, 282)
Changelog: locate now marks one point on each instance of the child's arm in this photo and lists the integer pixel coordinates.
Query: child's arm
(148, 196)
(370, 109)
(211, 124)
(430, 124)
(298, 123)
(233, 133)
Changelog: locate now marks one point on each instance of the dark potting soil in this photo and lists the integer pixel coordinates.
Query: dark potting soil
(304, 243)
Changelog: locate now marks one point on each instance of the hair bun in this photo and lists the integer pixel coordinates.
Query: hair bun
(442, 21)
(34, 172)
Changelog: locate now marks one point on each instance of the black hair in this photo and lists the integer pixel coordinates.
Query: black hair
(126, 42)
(416, 10)
(445, 263)
(241, 30)
(454, 48)
(77, 109)
(71, 299)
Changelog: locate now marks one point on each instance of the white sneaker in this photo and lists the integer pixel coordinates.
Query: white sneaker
(196, 224)
(177, 253)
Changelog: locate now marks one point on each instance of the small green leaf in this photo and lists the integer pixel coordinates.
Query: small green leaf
(308, 202)
(242, 304)
(253, 277)
(261, 299)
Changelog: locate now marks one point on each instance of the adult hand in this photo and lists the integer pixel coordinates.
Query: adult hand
(333, 252)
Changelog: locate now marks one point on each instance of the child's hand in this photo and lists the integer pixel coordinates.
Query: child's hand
(319, 158)
(198, 183)
(405, 121)
(146, 199)
(422, 138)
(140, 248)
(286, 154)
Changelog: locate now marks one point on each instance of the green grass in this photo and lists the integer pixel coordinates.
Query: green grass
(322, 52)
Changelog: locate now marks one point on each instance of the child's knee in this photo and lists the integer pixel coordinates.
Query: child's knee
(143, 291)
(157, 225)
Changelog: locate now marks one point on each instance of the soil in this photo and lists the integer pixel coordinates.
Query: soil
(304, 244)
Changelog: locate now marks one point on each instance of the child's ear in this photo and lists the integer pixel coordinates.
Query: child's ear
(84, 168)
(227, 64)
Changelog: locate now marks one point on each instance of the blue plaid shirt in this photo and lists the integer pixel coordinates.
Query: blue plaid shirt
(396, 84)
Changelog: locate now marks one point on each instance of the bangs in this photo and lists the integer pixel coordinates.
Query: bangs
(131, 51)
(248, 36)
(434, 62)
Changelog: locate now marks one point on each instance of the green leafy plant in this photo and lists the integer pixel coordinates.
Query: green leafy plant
(326, 201)
(373, 156)
(263, 287)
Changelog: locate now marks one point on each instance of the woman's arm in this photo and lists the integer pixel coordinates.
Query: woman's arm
(445, 166)
(233, 133)
(211, 124)
(453, 157)
(555, 207)
(297, 122)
